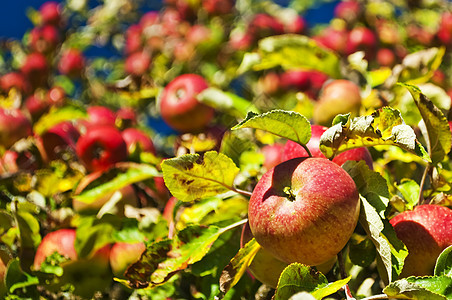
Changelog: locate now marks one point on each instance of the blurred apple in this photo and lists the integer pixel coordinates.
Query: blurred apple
(122, 255)
(136, 138)
(348, 10)
(50, 13)
(362, 39)
(60, 139)
(13, 126)
(72, 63)
(36, 69)
(138, 63)
(386, 57)
(100, 115)
(273, 155)
(14, 79)
(44, 39)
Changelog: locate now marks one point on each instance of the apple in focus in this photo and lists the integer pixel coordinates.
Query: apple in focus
(304, 201)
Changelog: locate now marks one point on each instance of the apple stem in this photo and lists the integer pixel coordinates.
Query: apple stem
(290, 195)
(421, 185)
(307, 150)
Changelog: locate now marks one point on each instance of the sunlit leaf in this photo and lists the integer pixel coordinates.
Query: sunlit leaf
(384, 127)
(410, 192)
(16, 278)
(435, 126)
(56, 116)
(421, 288)
(189, 179)
(236, 268)
(286, 124)
(444, 263)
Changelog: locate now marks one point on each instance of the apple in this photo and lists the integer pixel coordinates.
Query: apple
(36, 105)
(50, 13)
(218, 7)
(122, 255)
(296, 25)
(425, 233)
(332, 38)
(56, 95)
(273, 155)
(60, 139)
(136, 138)
(72, 63)
(179, 107)
(13, 127)
(14, 80)
(15, 161)
(126, 117)
(133, 41)
(270, 83)
(386, 57)
(87, 275)
(304, 210)
(361, 39)
(337, 97)
(44, 39)
(137, 63)
(295, 80)
(348, 10)
(100, 115)
(101, 147)
(293, 150)
(36, 69)
(264, 25)
(445, 29)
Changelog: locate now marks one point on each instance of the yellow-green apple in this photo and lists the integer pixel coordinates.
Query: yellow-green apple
(265, 267)
(179, 107)
(304, 210)
(101, 147)
(426, 233)
(293, 149)
(87, 275)
(122, 255)
(337, 97)
(14, 126)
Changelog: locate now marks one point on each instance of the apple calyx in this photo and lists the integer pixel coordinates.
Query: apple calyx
(290, 194)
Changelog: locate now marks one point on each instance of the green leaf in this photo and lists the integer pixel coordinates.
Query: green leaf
(163, 259)
(384, 127)
(56, 116)
(16, 278)
(227, 102)
(436, 128)
(115, 179)
(421, 288)
(189, 180)
(287, 124)
(236, 268)
(234, 143)
(298, 278)
(374, 200)
(292, 51)
(410, 192)
(362, 251)
(444, 263)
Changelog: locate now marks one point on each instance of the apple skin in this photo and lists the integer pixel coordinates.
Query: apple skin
(137, 138)
(386, 57)
(337, 97)
(36, 69)
(72, 63)
(263, 25)
(44, 39)
(13, 126)
(179, 107)
(445, 29)
(273, 155)
(14, 79)
(361, 39)
(426, 233)
(321, 205)
(100, 115)
(122, 255)
(59, 139)
(101, 147)
(348, 10)
(50, 13)
(137, 63)
(87, 275)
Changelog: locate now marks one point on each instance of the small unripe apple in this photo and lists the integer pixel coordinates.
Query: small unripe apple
(13, 126)
(72, 63)
(122, 255)
(179, 107)
(101, 147)
(425, 232)
(136, 138)
(138, 63)
(50, 13)
(304, 210)
(337, 97)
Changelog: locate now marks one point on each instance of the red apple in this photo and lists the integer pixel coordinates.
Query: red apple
(122, 255)
(138, 63)
(72, 63)
(15, 161)
(218, 7)
(35, 69)
(36, 105)
(334, 39)
(337, 97)
(134, 41)
(295, 25)
(87, 275)
(386, 57)
(14, 79)
(101, 147)
(263, 25)
(273, 155)
(179, 107)
(13, 126)
(100, 115)
(362, 39)
(304, 210)
(348, 10)
(60, 139)
(44, 39)
(136, 138)
(50, 13)
(425, 232)
(126, 117)
(295, 80)
(445, 29)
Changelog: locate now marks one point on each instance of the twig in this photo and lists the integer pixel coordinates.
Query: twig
(421, 185)
(242, 192)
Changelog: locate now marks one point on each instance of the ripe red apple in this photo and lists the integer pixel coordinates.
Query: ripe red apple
(44, 39)
(386, 57)
(36, 105)
(348, 10)
(50, 13)
(15, 161)
(122, 255)
(36, 69)
(296, 80)
(445, 29)
(362, 39)
(337, 97)
(72, 63)
(138, 63)
(304, 210)
(101, 147)
(296, 25)
(126, 117)
(263, 25)
(273, 155)
(332, 38)
(100, 115)
(13, 126)
(136, 138)
(60, 139)
(293, 150)
(14, 79)
(179, 107)
(425, 232)
(133, 41)
(87, 275)
(218, 7)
